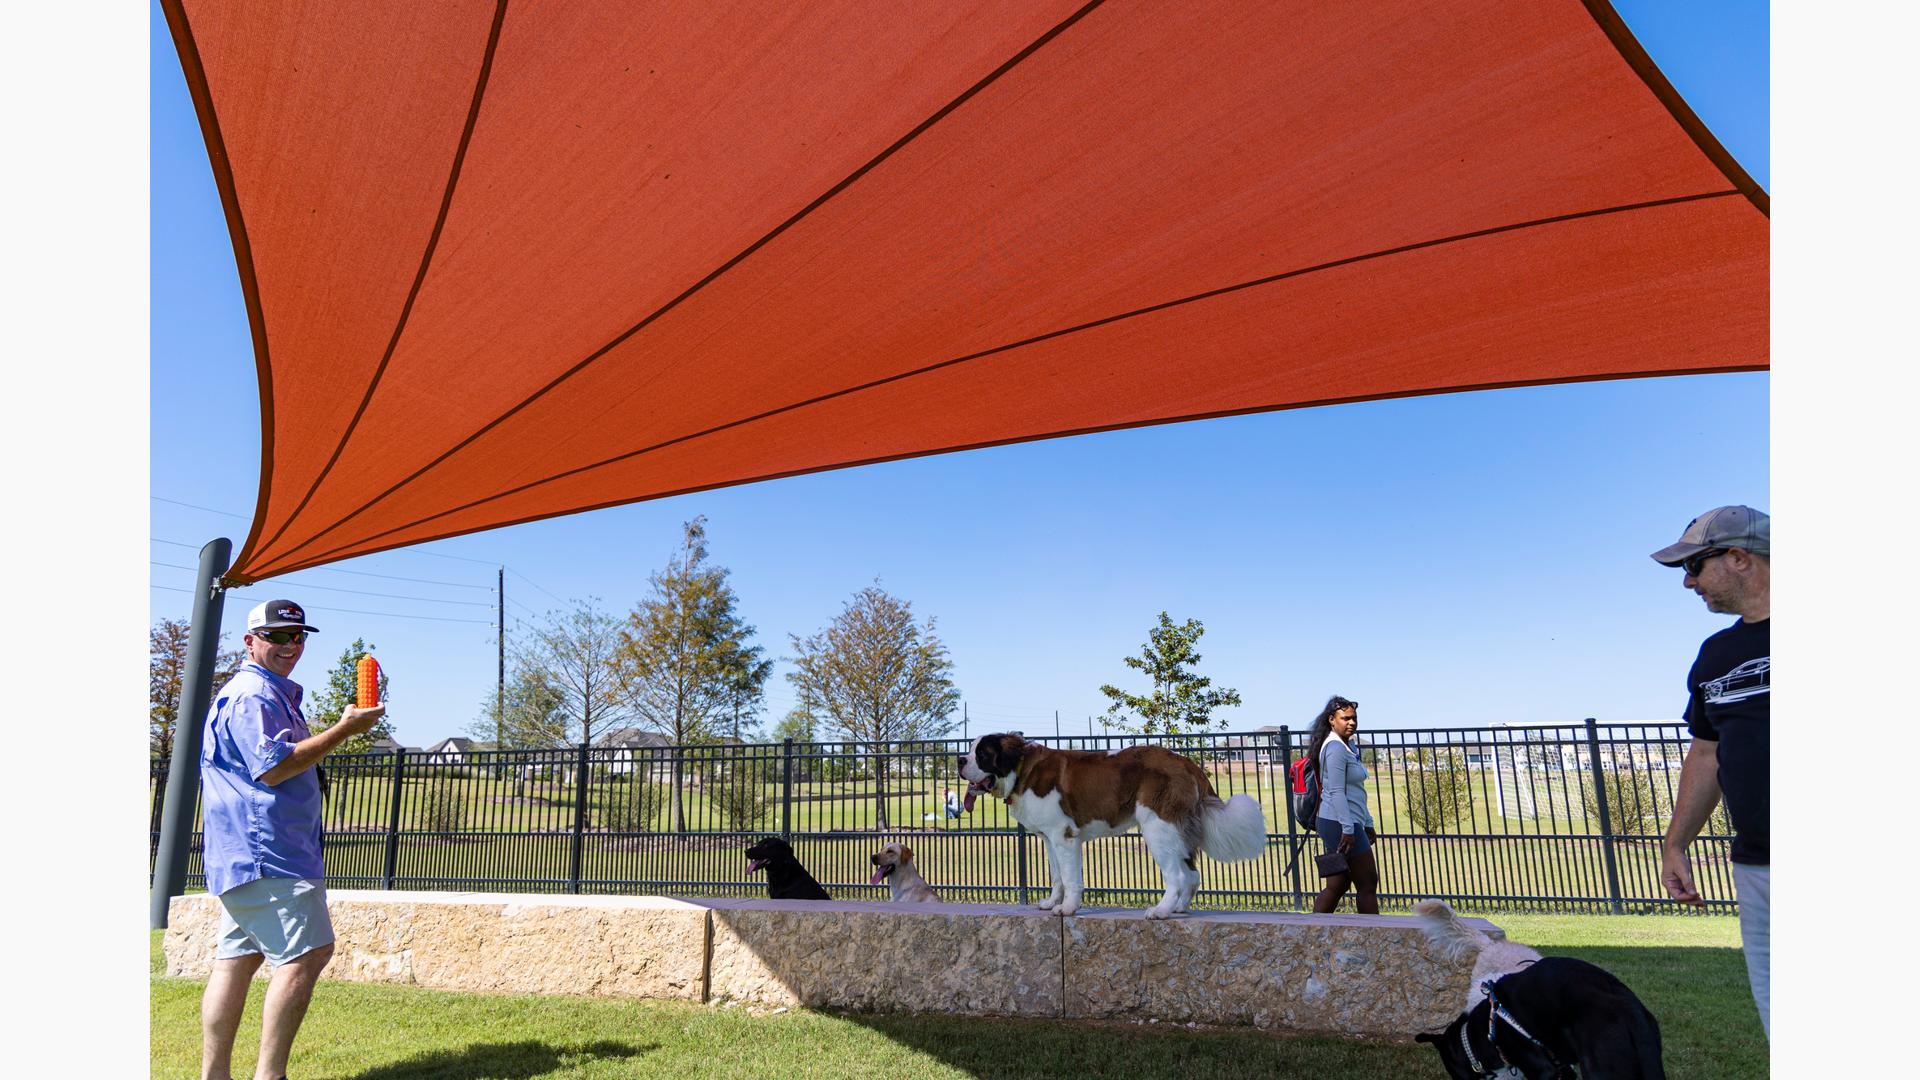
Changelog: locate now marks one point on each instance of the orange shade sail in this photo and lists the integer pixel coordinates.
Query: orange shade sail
(513, 260)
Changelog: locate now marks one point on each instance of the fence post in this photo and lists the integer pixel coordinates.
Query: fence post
(1294, 842)
(579, 820)
(786, 790)
(156, 778)
(392, 861)
(1020, 858)
(1606, 817)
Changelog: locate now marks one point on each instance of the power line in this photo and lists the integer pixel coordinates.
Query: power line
(535, 584)
(356, 592)
(347, 611)
(208, 509)
(406, 551)
(356, 573)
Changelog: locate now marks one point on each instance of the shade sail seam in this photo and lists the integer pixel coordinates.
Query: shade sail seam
(419, 278)
(196, 77)
(1642, 64)
(776, 232)
(246, 579)
(1050, 335)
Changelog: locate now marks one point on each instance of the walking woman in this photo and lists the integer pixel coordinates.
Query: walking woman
(1345, 825)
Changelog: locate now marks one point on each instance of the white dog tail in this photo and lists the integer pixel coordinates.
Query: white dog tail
(1232, 831)
(1448, 931)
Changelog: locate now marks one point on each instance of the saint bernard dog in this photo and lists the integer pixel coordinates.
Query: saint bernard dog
(1072, 796)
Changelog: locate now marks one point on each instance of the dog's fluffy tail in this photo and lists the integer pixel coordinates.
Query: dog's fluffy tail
(1232, 831)
(1448, 931)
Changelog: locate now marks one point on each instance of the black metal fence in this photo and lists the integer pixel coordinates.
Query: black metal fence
(1555, 817)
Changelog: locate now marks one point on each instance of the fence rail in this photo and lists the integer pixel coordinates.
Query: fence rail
(1552, 817)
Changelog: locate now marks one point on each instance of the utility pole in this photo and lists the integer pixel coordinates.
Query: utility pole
(1056, 725)
(500, 692)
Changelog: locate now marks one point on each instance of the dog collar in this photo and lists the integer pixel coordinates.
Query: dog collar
(1015, 789)
(1466, 1047)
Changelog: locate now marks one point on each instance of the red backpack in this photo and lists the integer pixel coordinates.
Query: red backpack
(1305, 782)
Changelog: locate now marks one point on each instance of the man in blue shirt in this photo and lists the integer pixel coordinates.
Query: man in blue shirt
(260, 804)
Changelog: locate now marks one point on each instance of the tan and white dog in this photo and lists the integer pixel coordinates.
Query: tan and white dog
(893, 864)
(1493, 955)
(1072, 796)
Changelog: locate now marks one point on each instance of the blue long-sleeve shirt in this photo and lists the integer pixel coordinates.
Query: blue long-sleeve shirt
(255, 830)
(1343, 792)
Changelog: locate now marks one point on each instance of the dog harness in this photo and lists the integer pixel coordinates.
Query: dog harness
(1497, 1012)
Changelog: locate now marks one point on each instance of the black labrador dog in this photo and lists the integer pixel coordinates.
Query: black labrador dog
(786, 878)
(1549, 1016)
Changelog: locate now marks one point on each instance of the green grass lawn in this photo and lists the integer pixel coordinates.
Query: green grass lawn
(1687, 970)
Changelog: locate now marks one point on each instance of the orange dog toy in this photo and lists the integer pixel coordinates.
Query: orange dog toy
(367, 682)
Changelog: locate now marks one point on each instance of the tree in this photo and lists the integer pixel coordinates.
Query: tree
(527, 717)
(576, 654)
(326, 702)
(166, 675)
(873, 676)
(1181, 701)
(684, 664)
(797, 725)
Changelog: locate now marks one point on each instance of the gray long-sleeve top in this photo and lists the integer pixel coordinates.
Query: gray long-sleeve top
(1343, 793)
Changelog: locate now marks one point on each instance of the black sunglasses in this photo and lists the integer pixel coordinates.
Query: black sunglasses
(1692, 566)
(282, 637)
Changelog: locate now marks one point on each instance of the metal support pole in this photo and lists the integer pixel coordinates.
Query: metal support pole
(1606, 818)
(579, 820)
(196, 692)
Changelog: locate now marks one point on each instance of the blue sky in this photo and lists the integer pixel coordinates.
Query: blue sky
(1453, 560)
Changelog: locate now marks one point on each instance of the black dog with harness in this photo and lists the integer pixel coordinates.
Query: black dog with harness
(1555, 1013)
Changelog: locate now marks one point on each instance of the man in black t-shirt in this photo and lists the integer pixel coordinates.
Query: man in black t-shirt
(1724, 553)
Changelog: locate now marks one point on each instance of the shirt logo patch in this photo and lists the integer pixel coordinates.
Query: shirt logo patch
(1750, 679)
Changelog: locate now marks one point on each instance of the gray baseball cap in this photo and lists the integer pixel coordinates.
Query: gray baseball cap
(1740, 527)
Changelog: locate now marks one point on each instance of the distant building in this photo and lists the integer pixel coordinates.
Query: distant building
(634, 744)
(450, 751)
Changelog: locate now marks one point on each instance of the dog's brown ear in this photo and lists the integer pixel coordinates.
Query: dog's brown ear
(906, 854)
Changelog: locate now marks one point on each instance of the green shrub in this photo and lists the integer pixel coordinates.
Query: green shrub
(630, 806)
(739, 793)
(1640, 803)
(442, 809)
(1439, 791)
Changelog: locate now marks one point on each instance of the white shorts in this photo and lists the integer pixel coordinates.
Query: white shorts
(279, 918)
(1751, 887)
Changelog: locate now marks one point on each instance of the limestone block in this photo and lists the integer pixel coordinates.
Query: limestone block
(193, 931)
(971, 959)
(1359, 974)
(615, 946)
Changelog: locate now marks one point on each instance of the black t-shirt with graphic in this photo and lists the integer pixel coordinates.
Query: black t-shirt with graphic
(1727, 704)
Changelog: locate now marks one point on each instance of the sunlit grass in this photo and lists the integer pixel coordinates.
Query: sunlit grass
(1688, 971)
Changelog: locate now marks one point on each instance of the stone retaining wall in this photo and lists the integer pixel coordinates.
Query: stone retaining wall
(1358, 974)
